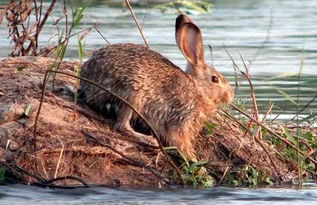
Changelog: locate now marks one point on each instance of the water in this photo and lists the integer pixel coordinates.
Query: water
(21, 194)
(280, 31)
(275, 34)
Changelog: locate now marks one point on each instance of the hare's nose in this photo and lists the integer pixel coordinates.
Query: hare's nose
(228, 96)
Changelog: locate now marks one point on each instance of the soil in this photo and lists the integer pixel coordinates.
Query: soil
(73, 140)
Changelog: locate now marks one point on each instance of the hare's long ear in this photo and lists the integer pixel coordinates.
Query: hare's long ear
(189, 40)
(180, 21)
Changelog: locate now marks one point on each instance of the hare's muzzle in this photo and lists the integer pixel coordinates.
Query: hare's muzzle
(227, 96)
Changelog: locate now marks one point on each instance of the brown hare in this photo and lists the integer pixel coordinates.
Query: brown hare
(176, 103)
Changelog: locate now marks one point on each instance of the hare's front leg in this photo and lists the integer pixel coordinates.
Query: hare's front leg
(180, 137)
(124, 124)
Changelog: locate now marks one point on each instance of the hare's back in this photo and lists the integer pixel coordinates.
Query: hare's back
(129, 58)
(126, 68)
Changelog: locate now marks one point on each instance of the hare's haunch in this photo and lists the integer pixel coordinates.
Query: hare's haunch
(175, 102)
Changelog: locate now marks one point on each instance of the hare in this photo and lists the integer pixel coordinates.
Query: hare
(176, 103)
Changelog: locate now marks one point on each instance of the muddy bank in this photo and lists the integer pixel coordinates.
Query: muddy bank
(73, 140)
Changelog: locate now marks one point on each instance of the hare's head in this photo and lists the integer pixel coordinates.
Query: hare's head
(211, 83)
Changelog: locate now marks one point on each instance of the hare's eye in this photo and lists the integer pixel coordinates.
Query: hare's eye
(214, 79)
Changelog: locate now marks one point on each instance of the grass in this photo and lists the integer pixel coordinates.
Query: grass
(2, 175)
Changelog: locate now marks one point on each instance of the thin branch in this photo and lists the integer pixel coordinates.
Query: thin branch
(155, 134)
(136, 22)
(48, 182)
(132, 161)
(104, 38)
(273, 133)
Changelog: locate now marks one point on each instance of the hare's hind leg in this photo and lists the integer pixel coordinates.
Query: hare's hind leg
(124, 124)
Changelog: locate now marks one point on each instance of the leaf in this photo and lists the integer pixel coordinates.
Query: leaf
(20, 68)
(287, 96)
(185, 6)
(27, 110)
(199, 164)
(2, 174)
(80, 49)
(309, 82)
(283, 75)
(289, 136)
(209, 128)
(78, 15)
(311, 116)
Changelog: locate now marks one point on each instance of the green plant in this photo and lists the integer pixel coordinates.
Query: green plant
(2, 174)
(81, 53)
(209, 128)
(248, 176)
(196, 175)
(185, 6)
(67, 33)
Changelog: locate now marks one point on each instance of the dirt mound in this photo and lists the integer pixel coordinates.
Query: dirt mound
(72, 140)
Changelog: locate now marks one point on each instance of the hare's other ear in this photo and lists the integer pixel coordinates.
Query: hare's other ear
(189, 40)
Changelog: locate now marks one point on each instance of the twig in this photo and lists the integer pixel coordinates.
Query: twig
(132, 161)
(16, 169)
(136, 22)
(273, 133)
(155, 134)
(306, 106)
(247, 75)
(297, 113)
(41, 24)
(211, 55)
(60, 157)
(268, 32)
(104, 38)
(223, 176)
(263, 119)
(48, 182)
(145, 13)
(259, 142)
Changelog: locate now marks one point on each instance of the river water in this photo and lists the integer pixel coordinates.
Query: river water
(19, 194)
(275, 34)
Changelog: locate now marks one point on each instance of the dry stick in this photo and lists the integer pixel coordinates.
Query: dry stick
(211, 54)
(268, 32)
(273, 133)
(132, 161)
(263, 119)
(306, 106)
(263, 147)
(259, 142)
(235, 68)
(64, 178)
(118, 97)
(223, 176)
(143, 20)
(60, 157)
(66, 16)
(48, 11)
(136, 22)
(40, 25)
(18, 170)
(104, 38)
(247, 75)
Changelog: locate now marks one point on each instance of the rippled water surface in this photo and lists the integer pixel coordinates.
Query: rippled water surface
(21, 194)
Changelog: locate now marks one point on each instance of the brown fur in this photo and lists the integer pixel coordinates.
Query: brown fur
(176, 103)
